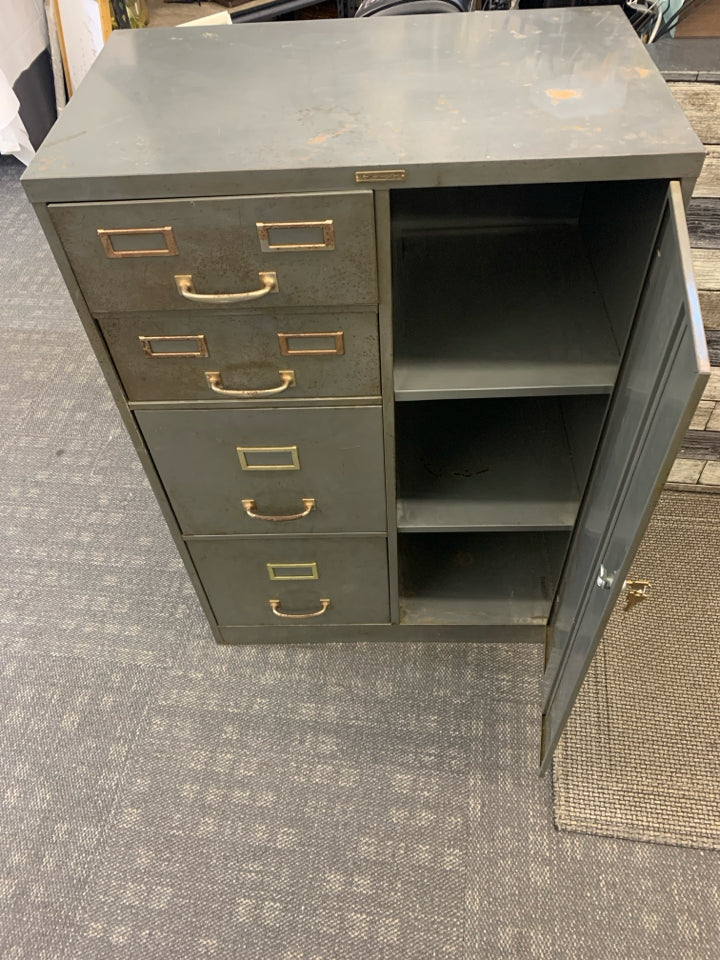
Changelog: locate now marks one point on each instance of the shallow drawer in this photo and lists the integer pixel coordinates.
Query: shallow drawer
(295, 470)
(128, 255)
(295, 581)
(178, 356)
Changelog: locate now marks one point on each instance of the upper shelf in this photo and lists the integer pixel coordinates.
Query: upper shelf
(510, 310)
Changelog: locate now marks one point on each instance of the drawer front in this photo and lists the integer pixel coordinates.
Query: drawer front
(220, 466)
(127, 255)
(290, 580)
(168, 356)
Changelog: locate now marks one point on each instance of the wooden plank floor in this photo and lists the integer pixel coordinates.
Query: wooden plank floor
(698, 462)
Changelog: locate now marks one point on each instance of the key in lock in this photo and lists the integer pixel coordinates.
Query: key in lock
(638, 590)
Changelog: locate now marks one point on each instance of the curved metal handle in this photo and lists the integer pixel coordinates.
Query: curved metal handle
(275, 607)
(250, 506)
(215, 382)
(186, 288)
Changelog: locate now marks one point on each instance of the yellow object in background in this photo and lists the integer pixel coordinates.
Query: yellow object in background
(138, 12)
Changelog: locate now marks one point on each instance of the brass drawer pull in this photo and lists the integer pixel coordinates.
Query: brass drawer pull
(275, 607)
(186, 288)
(250, 506)
(324, 227)
(215, 382)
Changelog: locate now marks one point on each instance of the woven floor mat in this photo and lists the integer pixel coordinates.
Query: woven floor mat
(640, 758)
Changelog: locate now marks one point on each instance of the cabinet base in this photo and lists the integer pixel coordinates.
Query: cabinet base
(357, 633)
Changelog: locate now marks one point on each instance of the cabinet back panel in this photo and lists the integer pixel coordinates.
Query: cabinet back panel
(486, 464)
(499, 310)
(467, 207)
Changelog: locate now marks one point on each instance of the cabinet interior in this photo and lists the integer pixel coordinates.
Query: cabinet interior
(493, 464)
(517, 290)
(512, 306)
(483, 579)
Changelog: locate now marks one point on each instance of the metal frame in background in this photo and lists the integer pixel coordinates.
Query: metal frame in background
(257, 11)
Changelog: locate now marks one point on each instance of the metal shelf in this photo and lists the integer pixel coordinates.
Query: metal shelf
(488, 465)
(507, 310)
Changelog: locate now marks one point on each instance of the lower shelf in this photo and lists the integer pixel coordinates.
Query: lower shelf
(479, 578)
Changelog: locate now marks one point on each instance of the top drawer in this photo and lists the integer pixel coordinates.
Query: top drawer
(293, 250)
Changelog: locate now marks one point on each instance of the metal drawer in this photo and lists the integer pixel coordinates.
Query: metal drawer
(127, 256)
(294, 581)
(220, 466)
(167, 356)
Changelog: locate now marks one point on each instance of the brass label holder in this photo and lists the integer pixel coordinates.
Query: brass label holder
(287, 351)
(199, 338)
(292, 452)
(325, 226)
(106, 238)
(281, 571)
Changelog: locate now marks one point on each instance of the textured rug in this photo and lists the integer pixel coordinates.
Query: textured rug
(640, 757)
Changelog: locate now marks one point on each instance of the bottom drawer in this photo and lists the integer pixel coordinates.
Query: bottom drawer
(294, 581)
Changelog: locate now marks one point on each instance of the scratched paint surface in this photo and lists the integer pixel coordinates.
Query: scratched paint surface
(303, 105)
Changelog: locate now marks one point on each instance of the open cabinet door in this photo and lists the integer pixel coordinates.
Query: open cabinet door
(660, 382)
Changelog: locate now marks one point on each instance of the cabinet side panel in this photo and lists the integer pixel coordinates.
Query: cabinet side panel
(619, 222)
(583, 419)
(385, 322)
(98, 345)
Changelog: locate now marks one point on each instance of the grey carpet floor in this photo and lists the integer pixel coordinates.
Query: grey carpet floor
(162, 797)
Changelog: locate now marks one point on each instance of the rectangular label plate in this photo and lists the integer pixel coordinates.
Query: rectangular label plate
(149, 345)
(269, 458)
(292, 571)
(308, 350)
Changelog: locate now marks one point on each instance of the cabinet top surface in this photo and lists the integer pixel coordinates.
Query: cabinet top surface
(526, 95)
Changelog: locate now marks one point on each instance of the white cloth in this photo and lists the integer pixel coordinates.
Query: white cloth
(23, 37)
(13, 135)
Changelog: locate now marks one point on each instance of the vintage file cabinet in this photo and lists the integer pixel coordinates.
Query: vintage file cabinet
(402, 325)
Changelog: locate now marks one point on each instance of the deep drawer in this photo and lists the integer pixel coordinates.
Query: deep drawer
(127, 255)
(295, 581)
(220, 466)
(167, 356)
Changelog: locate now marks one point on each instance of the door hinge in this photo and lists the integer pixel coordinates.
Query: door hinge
(605, 579)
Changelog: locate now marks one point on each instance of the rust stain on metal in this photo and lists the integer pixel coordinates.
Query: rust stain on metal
(633, 73)
(444, 102)
(557, 95)
(330, 135)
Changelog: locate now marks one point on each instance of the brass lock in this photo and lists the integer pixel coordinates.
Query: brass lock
(638, 590)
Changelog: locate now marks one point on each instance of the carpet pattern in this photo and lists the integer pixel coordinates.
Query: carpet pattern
(640, 757)
(162, 797)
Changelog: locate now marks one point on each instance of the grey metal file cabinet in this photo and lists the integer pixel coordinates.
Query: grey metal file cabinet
(402, 324)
